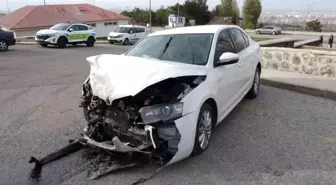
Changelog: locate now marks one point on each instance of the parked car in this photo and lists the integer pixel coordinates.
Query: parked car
(269, 30)
(164, 96)
(66, 33)
(127, 34)
(6, 39)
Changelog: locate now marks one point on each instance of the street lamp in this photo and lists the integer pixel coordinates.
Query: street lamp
(305, 21)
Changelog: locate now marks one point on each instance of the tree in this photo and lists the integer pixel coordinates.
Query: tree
(198, 10)
(314, 25)
(228, 8)
(161, 16)
(251, 13)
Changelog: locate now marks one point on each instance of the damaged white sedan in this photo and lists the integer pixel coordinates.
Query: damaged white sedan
(165, 95)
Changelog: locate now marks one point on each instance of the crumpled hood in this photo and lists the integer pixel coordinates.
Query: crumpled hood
(116, 76)
(47, 31)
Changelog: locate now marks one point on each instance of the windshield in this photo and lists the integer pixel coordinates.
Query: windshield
(61, 26)
(122, 30)
(183, 48)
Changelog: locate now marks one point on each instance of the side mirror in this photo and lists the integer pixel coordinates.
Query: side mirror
(227, 59)
(70, 29)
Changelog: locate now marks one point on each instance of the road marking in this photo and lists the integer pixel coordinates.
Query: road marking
(330, 139)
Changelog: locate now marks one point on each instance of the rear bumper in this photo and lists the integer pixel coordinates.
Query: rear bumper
(11, 42)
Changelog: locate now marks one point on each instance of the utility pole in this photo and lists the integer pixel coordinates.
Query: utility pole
(7, 6)
(44, 2)
(178, 13)
(305, 20)
(150, 16)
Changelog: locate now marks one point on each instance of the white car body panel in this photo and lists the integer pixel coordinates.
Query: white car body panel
(132, 37)
(116, 76)
(56, 34)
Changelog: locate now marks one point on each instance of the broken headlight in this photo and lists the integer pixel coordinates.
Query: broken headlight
(162, 112)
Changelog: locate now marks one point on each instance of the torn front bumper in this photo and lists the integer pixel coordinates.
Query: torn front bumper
(115, 145)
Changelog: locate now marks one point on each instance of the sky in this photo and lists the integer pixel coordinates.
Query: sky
(268, 5)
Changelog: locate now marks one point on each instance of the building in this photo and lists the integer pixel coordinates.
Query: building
(27, 20)
(175, 21)
(2, 15)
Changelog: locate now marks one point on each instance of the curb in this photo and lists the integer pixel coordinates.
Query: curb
(301, 89)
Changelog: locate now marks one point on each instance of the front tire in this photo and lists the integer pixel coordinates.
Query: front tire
(274, 33)
(205, 123)
(44, 45)
(3, 45)
(90, 42)
(126, 42)
(258, 32)
(61, 43)
(254, 91)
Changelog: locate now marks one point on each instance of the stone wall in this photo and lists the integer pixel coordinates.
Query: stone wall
(306, 61)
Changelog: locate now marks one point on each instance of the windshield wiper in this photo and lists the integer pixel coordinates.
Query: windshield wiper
(167, 45)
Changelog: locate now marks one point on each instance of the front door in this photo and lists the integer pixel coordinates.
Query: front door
(227, 76)
(74, 34)
(132, 35)
(244, 63)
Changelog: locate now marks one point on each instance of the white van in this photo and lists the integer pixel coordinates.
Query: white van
(127, 34)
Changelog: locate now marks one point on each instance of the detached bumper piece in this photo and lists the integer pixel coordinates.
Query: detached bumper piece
(116, 146)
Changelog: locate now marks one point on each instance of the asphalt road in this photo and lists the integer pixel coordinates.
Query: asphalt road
(281, 137)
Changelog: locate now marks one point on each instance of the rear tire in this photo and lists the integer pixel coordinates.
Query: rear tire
(258, 32)
(3, 45)
(205, 124)
(61, 43)
(254, 91)
(90, 42)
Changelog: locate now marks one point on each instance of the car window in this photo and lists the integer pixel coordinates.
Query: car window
(136, 30)
(247, 41)
(183, 48)
(224, 44)
(75, 27)
(238, 39)
(83, 28)
(141, 30)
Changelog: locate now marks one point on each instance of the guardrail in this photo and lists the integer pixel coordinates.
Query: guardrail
(310, 42)
(282, 42)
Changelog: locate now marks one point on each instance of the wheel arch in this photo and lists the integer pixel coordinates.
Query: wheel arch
(67, 40)
(213, 105)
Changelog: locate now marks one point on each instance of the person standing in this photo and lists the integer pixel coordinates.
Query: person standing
(321, 40)
(330, 41)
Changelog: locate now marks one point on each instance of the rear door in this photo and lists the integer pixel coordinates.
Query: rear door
(244, 67)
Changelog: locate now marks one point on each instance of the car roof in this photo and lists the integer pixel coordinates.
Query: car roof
(194, 29)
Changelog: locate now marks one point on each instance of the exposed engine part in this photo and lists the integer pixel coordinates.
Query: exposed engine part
(115, 126)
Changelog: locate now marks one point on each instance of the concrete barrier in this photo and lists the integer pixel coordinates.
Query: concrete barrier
(307, 61)
(282, 42)
(310, 42)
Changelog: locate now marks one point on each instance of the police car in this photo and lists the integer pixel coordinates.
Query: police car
(66, 33)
